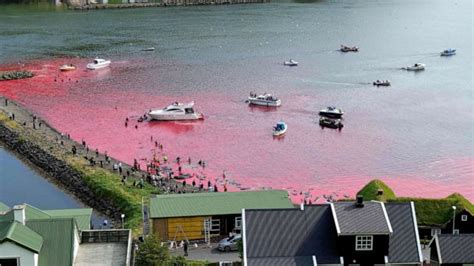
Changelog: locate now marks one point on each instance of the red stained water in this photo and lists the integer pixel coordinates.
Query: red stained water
(233, 138)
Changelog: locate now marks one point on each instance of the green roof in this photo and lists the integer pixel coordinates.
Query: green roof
(3, 207)
(222, 203)
(428, 211)
(82, 216)
(20, 234)
(58, 236)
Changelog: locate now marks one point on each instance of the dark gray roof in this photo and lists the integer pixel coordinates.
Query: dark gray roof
(281, 261)
(456, 248)
(287, 234)
(369, 219)
(403, 241)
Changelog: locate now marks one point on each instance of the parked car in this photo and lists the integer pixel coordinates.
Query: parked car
(229, 243)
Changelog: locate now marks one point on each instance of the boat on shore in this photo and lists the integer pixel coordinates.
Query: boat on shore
(280, 129)
(448, 52)
(176, 111)
(67, 67)
(415, 67)
(331, 111)
(265, 99)
(290, 62)
(346, 49)
(330, 123)
(98, 64)
(382, 83)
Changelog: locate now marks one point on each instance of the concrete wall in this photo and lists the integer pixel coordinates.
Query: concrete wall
(11, 250)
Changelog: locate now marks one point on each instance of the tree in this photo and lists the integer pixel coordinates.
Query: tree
(151, 253)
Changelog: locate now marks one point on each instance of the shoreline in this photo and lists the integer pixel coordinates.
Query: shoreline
(97, 185)
(165, 3)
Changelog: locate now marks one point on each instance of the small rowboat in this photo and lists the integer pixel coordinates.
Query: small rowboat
(149, 49)
(382, 83)
(67, 67)
(280, 129)
(415, 67)
(346, 49)
(290, 63)
(448, 52)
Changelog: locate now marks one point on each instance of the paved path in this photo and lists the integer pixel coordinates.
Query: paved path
(205, 253)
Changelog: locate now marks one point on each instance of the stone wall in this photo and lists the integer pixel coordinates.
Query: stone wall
(58, 170)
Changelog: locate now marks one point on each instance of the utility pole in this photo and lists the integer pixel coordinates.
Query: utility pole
(454, 217)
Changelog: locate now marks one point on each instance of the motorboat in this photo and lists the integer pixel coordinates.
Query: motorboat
(265, 99)
(415, 67)
(331, 111)
(331, 123)
(67, 67)
(280, 129)
(149, 49)
(346, 49)
(176, 111)
(448, 52)
(381, 83)
(291, 62)
(98, 64)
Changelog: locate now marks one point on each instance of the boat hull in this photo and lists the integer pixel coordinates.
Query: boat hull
(331, 115)
(265, 103)
(279, 133)
(175, 117)
(96, 66)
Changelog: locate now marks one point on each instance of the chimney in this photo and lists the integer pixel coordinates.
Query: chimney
(19, 213)
(360, 201)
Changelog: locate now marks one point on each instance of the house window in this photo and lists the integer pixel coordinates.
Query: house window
(464, 218)
(364, 242)
(238, 222)
(215, 225)
(435, 231)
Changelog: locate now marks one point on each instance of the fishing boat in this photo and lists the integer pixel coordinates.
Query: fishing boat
(346, 49)
(415, 67)
(331, 123)
(331, 111)
(280, 129)
(291, 62)
(265, 99)
(67, 67)
(149, 49)
(381, 83)
(448, 52)
(176, 111)
(98, 64)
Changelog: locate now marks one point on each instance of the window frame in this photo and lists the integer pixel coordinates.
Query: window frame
(238, 222)
(464, 218)
(364, 243)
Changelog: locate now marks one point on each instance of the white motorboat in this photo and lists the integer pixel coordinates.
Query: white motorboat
(67, 67)
(415, 67)
(98, 64)
(331, 111)
(149, 49)
(346, 49)
(382, 83)
(176, 111)
(291, 62)
(448, 52)
(264, 99)
(280, 129)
